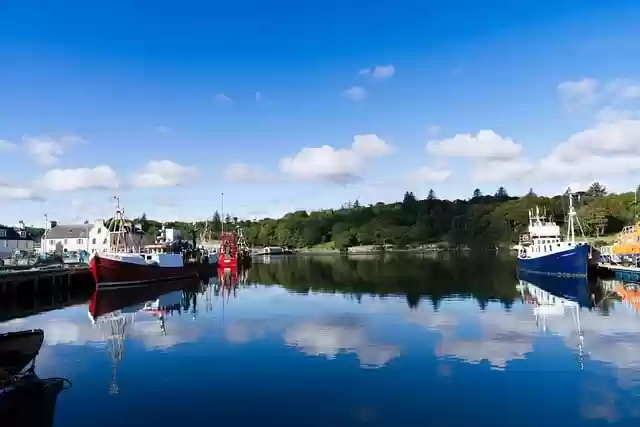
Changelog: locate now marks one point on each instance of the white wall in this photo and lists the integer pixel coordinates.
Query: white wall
(99, 237)
(100, 240)
(70, 245)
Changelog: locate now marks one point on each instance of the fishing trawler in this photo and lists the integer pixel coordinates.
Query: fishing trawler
(543, 250)
(234, 250)
(209, 246)
(126, 263)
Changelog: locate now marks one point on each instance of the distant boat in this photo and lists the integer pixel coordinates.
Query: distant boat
(125, 265)
(543, 250)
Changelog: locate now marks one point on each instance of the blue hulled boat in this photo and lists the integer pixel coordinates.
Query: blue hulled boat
(543, 250)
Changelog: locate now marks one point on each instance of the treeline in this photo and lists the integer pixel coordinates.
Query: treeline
(481, 221)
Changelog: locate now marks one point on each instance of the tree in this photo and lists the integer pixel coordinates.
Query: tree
(531, 193)
(477, 193)
(432, 195)
(596, 190)
(502, 193)
(409, 198)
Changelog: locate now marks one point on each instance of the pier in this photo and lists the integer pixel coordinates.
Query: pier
(15, 283)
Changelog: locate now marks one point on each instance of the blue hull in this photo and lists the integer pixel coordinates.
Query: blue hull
(574, 289)
(572, 262)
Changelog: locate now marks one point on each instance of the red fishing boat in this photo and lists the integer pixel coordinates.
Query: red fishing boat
(126, 263)
(228, 256)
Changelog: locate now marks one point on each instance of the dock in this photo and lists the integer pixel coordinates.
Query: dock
(15, 282)
(629, 273)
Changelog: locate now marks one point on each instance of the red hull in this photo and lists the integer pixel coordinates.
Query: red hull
(109, 273)
(227, 262)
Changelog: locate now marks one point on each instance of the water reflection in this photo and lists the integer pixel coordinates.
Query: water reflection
(312, 330)
(344, 334)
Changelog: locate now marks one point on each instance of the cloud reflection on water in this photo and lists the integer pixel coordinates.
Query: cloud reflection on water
(332, 337)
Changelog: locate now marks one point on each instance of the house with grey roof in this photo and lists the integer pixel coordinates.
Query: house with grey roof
(12, 238)
(90, 237)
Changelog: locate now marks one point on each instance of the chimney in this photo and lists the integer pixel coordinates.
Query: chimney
(54, 224)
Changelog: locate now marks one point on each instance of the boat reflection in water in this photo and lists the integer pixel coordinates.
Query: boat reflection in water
(553, 296)
(112, 310)
(25, 399)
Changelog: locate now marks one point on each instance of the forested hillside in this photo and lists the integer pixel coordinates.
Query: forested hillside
(480, 221)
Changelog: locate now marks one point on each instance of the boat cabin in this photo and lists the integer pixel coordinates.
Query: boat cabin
(542, 237)
(162, 254)
(628, 241)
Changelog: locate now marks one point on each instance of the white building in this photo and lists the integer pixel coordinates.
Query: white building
(12, 238)
(72, 238)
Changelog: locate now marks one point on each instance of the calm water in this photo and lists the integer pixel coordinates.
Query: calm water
(335, 342)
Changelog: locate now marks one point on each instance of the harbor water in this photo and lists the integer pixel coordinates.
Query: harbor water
(334, 341)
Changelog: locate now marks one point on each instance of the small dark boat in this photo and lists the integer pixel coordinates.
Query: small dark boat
(25, 399)
(18, 349)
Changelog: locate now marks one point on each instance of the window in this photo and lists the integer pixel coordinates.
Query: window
(99, 230)
(79, 241)
(23, 234)
(3, 233)
(64, 241)
(51, 242)
(105, 242)
(93, 241)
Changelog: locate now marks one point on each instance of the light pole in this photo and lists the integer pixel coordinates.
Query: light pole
(222, 215)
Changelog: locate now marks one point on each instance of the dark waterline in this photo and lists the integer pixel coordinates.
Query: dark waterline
(331, 341)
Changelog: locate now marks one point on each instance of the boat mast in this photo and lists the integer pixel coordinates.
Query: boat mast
(571, 233)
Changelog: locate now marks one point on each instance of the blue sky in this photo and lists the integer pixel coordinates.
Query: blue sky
(448, 95)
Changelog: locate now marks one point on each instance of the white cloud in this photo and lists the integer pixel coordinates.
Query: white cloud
(581, 92)
(430, 174)
(355, 93)
(222, 98)
(501, 171)
(611, 114)
(242, 172)
(163, 173)
(608, 146)
(16, 192)
(341, 165)
(486, 144)
(7, 145)
(379, 72)
(75, 179)
(46, 150)
(621, 137)
(370, 145)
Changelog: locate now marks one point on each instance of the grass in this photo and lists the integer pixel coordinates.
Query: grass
(324, 246)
